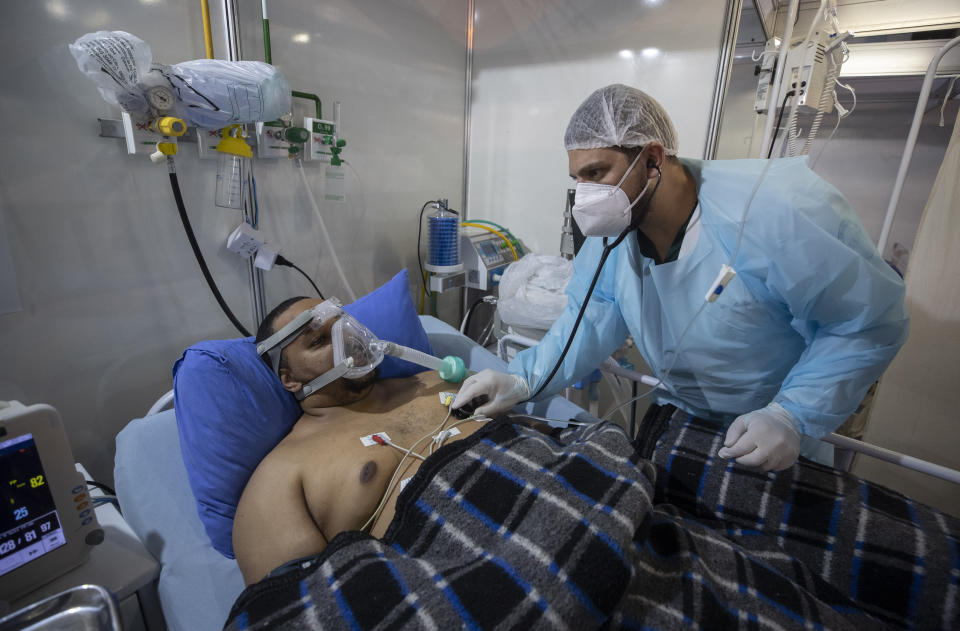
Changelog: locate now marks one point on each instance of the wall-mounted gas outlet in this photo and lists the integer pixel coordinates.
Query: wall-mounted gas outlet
(138, 135)
(270, 140)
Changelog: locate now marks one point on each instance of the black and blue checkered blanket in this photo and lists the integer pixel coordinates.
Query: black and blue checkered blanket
(583, 529)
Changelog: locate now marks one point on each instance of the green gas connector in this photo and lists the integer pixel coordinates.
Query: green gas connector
(297, 135)
(453, 369)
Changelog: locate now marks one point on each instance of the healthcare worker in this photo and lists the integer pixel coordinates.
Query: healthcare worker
(809, 317)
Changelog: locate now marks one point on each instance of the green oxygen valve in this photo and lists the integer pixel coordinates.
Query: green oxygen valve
(335, 149)
(453, 369)
(297, 135)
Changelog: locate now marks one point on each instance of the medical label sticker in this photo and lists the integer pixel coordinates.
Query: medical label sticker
(447, 433)
(446, 398)
(368, 440)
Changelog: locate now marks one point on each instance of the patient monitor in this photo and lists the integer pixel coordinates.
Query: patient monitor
(47, 521)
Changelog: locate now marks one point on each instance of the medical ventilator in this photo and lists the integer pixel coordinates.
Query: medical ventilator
(356, 350)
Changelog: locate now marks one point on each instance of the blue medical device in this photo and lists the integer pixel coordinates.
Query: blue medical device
(444, 240)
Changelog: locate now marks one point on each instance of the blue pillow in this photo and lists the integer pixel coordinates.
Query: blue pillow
(388, 311)
(232, 409)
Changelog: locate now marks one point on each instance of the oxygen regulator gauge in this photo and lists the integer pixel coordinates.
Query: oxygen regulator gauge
(161, 98)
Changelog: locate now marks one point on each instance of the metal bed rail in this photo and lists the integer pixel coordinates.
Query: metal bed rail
(610, 366)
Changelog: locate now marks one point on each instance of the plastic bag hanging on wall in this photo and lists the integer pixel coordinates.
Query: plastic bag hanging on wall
(208, 93)
(116, 61)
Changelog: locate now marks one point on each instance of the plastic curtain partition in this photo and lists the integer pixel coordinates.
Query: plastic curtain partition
(912, 142)
(918, 399)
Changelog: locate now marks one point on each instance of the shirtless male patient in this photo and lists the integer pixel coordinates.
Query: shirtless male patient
(321, 480)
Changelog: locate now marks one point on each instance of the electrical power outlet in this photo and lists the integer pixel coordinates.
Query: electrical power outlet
(322, 136)
(245, 241)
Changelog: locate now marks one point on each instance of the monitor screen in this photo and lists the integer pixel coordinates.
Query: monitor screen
(29, 525)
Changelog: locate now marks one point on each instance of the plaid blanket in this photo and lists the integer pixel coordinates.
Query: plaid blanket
(896, 559)
(513, 529)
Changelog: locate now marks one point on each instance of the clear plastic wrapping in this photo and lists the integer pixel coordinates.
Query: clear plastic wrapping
(208, 93)
(532, 291)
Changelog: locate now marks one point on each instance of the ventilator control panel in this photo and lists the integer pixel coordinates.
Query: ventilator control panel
(484, 258)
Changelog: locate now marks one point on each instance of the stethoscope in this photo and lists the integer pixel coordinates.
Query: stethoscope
(607, 248)
(724, 277)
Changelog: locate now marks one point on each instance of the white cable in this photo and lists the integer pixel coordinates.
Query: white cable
(484, 336)
(852, 92)
(490, 300)
(614, 382)
(829, 138)
(673, 360)
(683, 335)
(407, 452)
(946, 97)
(326, 235)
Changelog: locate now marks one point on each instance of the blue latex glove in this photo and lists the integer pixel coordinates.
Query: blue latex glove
(503, 390)
(766, 438)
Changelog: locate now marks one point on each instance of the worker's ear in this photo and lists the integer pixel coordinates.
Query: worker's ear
(289, 383)
(655, 157)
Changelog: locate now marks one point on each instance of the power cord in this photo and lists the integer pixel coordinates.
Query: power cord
(286, 263)
(103, 487)
(776, 130)
(423, 274)
(465, 327)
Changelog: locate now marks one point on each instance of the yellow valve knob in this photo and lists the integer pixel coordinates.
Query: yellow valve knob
(232, 142)
(171, 126)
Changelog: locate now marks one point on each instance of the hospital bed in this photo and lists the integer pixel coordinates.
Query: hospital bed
(198, 585)
(871, 529)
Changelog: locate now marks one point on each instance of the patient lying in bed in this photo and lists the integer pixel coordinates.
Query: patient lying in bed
(322, 480)
(507, 527)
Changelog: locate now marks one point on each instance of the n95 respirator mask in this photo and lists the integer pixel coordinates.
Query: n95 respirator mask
(603, 210)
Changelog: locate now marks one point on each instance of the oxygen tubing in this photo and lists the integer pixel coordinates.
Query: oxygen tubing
(326, 235)
(175, 185)
(451, 368)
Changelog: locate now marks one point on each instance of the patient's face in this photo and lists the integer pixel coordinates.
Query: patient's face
(310, 355)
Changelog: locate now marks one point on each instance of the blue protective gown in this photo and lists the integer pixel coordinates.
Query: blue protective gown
(811, 320)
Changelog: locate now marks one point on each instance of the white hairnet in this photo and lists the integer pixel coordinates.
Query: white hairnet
(620, 116)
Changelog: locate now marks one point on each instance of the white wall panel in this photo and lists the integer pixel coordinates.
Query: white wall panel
(109, 289)
(534, 63)
(398, 69)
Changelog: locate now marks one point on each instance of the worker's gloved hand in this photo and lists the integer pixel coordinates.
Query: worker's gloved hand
(766, 438)
(503, 391)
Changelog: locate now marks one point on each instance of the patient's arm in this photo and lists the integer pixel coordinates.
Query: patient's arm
(272, 520)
